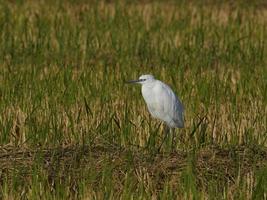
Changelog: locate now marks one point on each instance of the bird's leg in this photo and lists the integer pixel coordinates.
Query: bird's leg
(173, 137)
(165, 132)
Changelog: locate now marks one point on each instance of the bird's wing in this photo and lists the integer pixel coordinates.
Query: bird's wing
(170, 105)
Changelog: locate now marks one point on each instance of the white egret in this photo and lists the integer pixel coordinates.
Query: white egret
(161, 101)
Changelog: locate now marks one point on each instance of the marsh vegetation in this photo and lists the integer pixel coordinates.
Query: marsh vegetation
(71, 128)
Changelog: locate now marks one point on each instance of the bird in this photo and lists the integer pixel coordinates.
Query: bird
(161, 101)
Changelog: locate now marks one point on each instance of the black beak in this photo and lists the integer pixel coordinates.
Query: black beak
(133, 81)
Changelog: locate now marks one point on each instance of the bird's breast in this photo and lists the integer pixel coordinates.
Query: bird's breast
(152, 100)
(148, 94)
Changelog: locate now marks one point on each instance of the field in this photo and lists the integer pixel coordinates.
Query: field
(70, 128)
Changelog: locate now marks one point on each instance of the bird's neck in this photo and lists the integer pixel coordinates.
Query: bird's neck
(148, 85)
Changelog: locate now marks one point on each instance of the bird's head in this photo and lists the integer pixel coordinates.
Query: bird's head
(143, 79)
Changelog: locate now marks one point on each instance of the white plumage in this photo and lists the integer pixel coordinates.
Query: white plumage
(161, 101)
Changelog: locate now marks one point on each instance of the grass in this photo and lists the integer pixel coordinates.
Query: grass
(71, 128)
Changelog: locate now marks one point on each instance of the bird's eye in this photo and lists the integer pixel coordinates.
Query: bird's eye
(142, 79)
